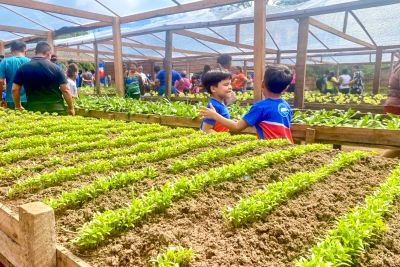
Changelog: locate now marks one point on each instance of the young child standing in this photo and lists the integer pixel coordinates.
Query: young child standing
(72, 73)
(218, 85)
(271, 117)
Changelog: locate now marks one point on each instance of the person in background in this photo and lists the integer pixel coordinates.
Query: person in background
(218, 85)
(72, 73)
(93, 72)
(194, 85)
(87, 78)
(161, 81)
(239, 80)
(292, 86)
(182, 87)
(331, 83)
(224, 62)
(357, 83)
(145, 80)
(79, 79)
(54, 60)
(271, 117)
(206, 69)
(8, 69)
(133, 82)
(344, 82)
(45, 84)
(392, 104)
(250, 83)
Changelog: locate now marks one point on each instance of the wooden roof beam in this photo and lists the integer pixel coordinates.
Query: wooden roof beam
(5, 28)
(31, 4)
(217, 40)
(69, 49)
(327, 28)
(159, 48)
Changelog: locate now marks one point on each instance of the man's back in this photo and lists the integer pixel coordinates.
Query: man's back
(8, 69)
(42, 80)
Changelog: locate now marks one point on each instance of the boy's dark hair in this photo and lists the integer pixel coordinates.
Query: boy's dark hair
(70, 61)
(72, 69)
(42, 48)
(183, 74)
(213, 77)
(18, 46)
(239, 68)
(224, 60)
(345, 71)
(277, 78)
(157, 69)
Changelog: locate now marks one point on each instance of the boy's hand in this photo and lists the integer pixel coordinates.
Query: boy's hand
(207, 113)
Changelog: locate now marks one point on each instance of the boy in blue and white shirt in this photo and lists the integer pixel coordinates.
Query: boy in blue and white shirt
(271, 117)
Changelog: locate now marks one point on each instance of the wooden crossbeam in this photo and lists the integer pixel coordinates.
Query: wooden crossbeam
(158, 48)
(5, 28)
(87, 51)
(218, 40)
(327, 28)
(31, 4)
(179, 9)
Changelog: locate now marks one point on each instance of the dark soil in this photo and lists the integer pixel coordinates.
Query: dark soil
(385, 249)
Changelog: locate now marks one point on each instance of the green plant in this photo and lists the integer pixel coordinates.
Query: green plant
(173, 257)
(352, 232)
(157, 200)
(262, 202)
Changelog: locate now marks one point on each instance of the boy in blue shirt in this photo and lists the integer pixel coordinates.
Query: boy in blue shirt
(8, 69)
(218, 85)
(271, 117)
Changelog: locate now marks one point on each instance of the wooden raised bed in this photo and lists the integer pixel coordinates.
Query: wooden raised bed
(28, 239)
(300, 132)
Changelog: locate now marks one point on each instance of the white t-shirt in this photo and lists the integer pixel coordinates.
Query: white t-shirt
(72, 87)
(145, 80)
(344, 81)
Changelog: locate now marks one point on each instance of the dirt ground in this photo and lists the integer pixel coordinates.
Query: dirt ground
(286, 234)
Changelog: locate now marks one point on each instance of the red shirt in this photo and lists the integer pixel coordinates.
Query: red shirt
(238, 81)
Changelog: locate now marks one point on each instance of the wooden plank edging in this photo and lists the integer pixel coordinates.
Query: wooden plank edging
(323, 134)
(29, 240)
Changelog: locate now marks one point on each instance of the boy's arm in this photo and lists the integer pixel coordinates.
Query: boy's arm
(208, 128)
(234, 126)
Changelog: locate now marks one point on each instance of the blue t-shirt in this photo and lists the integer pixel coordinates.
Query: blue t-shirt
(8, 69)
(175, 77)
(221, 109)
(271, 118)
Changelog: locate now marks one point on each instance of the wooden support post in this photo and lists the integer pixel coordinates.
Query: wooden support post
(260, 22)
(245, 68)
(96, 68)
(2, 50)
(50, 40)
(278, 57)
(310, 136)
(301, 61)
(168, 63)
(237, 33)
(391, 62)
(119, 73)
(38, 237)
(152, 65)
(377, 73)
(337, 69)
(187, 69)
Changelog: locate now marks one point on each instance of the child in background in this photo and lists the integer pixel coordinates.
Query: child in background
(271, 117)
(72, 73)
(218, 85)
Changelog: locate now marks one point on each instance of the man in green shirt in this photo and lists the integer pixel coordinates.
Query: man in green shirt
(9, 67)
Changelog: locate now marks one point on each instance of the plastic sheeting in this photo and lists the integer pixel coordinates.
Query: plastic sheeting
(382, 23)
